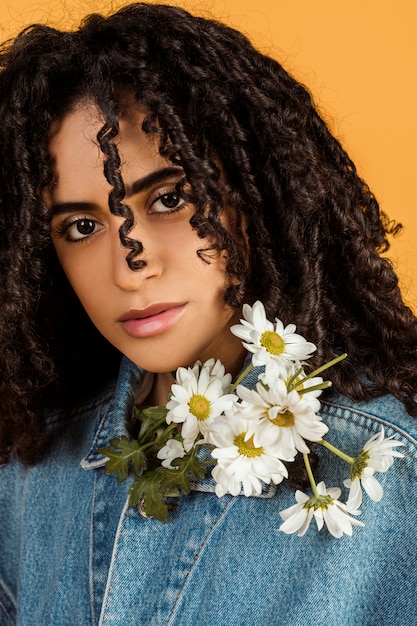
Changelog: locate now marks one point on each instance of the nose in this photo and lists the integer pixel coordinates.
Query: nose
(123, 276)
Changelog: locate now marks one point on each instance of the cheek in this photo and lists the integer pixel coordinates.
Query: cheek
(85, 278)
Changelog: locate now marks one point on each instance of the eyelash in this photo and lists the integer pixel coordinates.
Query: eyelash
(61, 230)
(164, 194)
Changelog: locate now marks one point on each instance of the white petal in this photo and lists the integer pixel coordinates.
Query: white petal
(355, 494)
(300, 496)
(321, 488)
(225, 453)
(261, 357)
(251, 486)
(292, 510)
(303, 529)
(336, 522)
(179, 394)
(259, 319)
(333, 492)
(296, 521)
(189, 429)
(247, 312)
(241, 331)
(373, 488)
(318, 516)
(220, 490)
(288, 330)
(352, 520)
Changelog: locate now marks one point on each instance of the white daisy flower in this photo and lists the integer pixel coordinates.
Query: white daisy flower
(268, 341)
(197, 399)
(240, 463)
(172, 450)
(380, 451)
(285, 418)
(325, 508)
(293, 372)
(377, 455)
(216, 369)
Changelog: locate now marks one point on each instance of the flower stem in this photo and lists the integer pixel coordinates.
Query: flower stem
(310, 475)
(338, 452)
(326, 366)
(293, 382)
(145, 432)
(241, 377)
(324, 385)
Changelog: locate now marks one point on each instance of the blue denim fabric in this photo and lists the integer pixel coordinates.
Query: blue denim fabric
(73, 554)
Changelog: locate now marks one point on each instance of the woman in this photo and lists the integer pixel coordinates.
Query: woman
(158, 174)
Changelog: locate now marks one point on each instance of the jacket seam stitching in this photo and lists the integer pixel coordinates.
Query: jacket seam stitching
(347, 414)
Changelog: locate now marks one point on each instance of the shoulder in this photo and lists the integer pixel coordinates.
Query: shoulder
(39, 504)
(73, 433)
(351, 425)
(384, 412)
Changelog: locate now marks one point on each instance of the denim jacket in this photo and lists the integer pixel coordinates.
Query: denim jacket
(74, 554)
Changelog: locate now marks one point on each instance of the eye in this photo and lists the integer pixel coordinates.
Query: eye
(80, 229)
(167, 202)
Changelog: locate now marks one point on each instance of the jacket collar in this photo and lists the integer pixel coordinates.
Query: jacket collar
(114, 423)
(111, 421)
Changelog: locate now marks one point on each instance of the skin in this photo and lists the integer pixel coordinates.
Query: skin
(180, 296)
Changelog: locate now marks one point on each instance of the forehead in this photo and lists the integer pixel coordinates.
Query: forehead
(78, 161)
(74, 131)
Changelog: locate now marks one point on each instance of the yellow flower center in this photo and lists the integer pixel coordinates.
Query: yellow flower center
(284, 418)
(199, 406)
(272, 342)
(247, 448)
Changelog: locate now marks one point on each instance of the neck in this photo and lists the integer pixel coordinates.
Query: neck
(158, 395)
(232, 360)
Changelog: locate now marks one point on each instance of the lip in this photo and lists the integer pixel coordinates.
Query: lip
(152, 320)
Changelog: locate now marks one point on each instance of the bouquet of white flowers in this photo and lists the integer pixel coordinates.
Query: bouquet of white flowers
(250, 434)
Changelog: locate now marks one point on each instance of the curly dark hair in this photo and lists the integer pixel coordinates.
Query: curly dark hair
(314, 229)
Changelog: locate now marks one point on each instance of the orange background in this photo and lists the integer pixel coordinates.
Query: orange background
(357, 58)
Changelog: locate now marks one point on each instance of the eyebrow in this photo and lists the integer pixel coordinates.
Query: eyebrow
(154, 177)
(142, 184)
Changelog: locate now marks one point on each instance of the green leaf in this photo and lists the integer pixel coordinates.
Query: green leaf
(153, 487)
(127, 454)
(147, 489)
(151, 418)
(178, 478)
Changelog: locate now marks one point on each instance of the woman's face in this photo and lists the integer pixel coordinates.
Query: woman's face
(169, 313)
